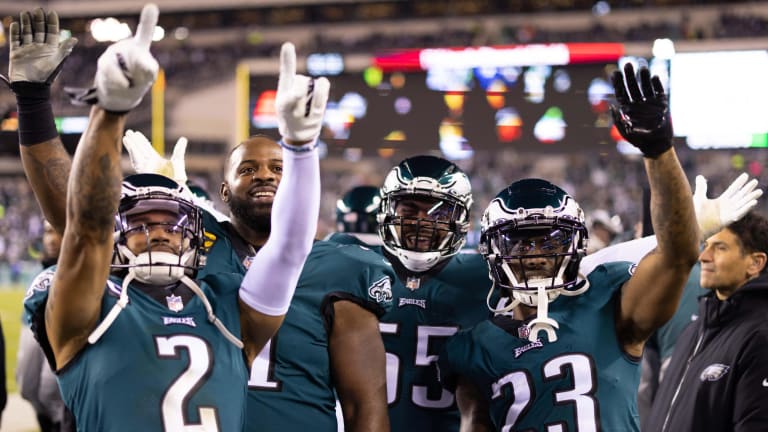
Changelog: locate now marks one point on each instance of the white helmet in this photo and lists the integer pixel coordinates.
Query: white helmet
(143, 193)
(533, 237)
(446, 190)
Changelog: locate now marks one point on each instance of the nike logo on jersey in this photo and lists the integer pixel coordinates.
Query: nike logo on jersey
(188, 321)
(765, 382)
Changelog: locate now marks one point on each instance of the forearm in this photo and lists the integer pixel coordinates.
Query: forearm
(672, 213)
(294, 223)
(47, 166)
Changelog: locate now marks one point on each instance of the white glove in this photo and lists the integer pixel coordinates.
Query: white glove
(300, 101)
(125, 71)
(36, 54)
(713, 215)
(145, 159)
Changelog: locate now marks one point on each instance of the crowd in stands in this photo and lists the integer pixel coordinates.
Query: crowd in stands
(610, 183)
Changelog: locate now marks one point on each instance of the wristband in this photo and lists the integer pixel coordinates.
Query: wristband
(300, 149)
(33, 104)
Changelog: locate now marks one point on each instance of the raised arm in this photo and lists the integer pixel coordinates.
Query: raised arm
(36, 57)
(651, 296)
(264, 300)
(93, 192)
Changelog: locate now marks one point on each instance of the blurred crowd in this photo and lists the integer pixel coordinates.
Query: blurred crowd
(599, 182)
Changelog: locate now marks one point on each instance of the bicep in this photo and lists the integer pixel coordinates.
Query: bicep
(257, 329)
(357, 358)
(74, 300)
(649, 298)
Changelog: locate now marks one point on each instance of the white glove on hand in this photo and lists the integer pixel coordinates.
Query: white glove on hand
(36, 54)
(713, 215)
(125, 71)
(300, 101)
(145, 159)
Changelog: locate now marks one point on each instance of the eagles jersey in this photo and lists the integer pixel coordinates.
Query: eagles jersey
(155, 369)
(291, 386)
(414, 332)
(581, 382)
(225, 251)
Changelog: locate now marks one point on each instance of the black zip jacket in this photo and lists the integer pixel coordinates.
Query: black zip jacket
(717, 379)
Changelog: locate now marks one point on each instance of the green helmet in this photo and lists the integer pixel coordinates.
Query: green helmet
(356, 211)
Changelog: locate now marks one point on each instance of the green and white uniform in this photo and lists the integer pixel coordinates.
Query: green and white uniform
(291, 387)
(582, 382)
(155, 369)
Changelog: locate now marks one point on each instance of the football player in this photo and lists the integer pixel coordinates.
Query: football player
(152, 313)
(569, 356)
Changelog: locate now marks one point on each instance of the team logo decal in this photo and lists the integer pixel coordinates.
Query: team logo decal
(381, 290)
(714, 372)
(41, 283)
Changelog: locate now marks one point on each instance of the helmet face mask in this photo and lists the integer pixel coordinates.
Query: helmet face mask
(424, 214)
(149, 204)
(533, 236)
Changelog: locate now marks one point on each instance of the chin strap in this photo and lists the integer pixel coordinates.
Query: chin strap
(499, 310)
(211, 316)
(122, 302)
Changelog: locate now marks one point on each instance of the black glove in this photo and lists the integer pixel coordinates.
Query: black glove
(642, 118)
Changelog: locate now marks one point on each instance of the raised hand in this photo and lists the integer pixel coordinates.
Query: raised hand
(715, 214)
(36, 54)
(642, 115)
(125, 71)
(145, 159)
(300, 101)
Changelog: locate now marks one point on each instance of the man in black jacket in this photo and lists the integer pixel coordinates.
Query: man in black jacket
(718, 377)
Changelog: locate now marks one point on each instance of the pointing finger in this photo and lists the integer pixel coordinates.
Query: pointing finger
(287, 68)
(146, 27)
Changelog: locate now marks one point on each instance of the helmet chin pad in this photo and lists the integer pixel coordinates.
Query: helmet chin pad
(155, 268)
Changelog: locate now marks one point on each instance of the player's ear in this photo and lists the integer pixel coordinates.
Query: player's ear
(224, 192)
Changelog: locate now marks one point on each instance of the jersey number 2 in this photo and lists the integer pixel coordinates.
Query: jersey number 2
(174, 400)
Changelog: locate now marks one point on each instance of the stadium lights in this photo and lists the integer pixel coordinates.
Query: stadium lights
(111, 30)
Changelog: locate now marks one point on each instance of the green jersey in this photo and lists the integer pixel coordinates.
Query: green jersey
(157, 367)
(291, 386)
(414, 332)
(582, 382)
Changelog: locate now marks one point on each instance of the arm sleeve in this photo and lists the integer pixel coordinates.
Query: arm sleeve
(271, 279)
(632, 251)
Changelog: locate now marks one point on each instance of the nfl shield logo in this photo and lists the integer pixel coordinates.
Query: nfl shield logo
(174, 303)
(523, 332)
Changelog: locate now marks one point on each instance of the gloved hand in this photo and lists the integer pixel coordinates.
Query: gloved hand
(300, 101)
(125, 71)
(715, 214)
(642, 117)
(145, 159)
(36, 54)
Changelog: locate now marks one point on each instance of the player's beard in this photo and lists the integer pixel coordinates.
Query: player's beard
(257, 217)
